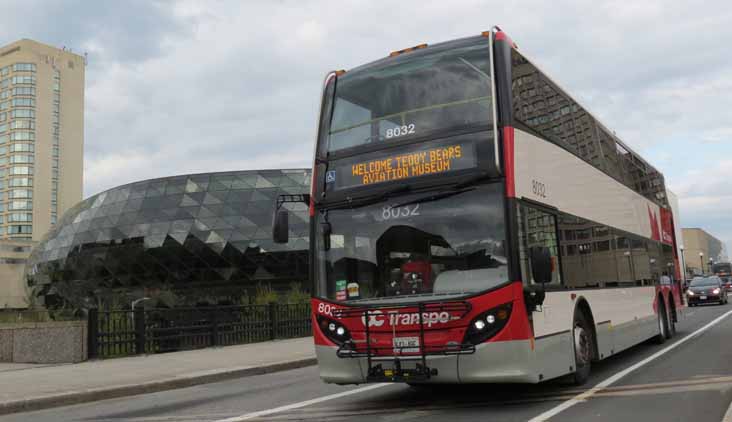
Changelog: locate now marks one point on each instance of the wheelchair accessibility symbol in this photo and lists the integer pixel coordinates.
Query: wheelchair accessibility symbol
(330, 176)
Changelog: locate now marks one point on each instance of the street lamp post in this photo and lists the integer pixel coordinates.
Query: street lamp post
(683, 265)
(630, 265)
(701, 262)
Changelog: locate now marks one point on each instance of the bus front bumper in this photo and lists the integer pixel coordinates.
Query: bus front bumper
(493, 362)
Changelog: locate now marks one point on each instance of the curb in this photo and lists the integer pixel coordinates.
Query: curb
(84, 396)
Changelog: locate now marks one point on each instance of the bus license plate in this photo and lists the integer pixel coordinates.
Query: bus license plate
(406, 344)
(702, 297)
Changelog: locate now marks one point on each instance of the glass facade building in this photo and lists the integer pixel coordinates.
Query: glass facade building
(184, 240)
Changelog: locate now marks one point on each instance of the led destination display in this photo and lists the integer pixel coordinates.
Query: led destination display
(401, 164)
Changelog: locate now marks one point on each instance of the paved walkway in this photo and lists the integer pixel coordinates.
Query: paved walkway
(29, 388)
(4, 367)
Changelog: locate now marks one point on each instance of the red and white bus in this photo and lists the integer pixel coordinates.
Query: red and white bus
(472, 222)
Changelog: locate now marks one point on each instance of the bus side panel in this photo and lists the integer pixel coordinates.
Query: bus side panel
(554, 355)
(576, 187)
(623, 317)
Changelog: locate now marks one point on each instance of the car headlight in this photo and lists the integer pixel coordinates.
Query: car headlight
(715, 291)
(690, 293)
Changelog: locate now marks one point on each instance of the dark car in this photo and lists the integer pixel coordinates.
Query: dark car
(706, 290)
(727, 283)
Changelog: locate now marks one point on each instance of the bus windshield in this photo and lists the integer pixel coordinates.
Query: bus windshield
(413, 247)
(722, 268)
(416, 94)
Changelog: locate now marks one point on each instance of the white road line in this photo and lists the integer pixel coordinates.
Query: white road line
(305, 403)
(579, 398)
(728, 415)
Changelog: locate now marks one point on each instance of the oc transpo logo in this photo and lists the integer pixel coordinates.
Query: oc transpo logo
(376, 319)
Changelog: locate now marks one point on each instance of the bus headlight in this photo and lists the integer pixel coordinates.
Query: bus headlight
(488, 324)
(334, 330)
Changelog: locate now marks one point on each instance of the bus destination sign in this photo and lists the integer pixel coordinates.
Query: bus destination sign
(401, 164)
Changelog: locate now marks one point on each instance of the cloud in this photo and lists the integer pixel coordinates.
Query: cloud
(178, 87)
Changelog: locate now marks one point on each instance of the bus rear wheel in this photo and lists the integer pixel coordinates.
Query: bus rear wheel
(583, 341)
(662, 318)
(670, 318)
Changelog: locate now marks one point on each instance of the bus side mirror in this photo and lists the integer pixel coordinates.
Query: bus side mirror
(541, 264)
(281, 226)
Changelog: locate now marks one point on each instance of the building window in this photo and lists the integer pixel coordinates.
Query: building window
(21, 159)
(3, 127)
(20, 205)
(24, 67)
(24, 102)
(24, 79)
(20, 182)
(23, 136)
(20, 217)
(23, 124)
(5, 94)
(4, 105)
(24, 90)
(21, 170)
(24, 229)
(3, 117)
(21, 148)
(23, 113)
(21, 193)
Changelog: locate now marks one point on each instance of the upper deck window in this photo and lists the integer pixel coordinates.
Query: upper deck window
(440, 88)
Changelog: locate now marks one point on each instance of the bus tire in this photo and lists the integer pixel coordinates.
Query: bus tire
(662, 319)
(671, 316)
(583, 345)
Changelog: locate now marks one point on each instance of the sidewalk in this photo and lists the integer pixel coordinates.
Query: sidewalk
(31, 388)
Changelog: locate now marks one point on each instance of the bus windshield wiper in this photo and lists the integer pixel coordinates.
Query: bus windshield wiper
(359, 202)
(460, 187)
(434, 196)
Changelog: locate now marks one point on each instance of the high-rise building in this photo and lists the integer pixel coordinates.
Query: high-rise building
(41, 146)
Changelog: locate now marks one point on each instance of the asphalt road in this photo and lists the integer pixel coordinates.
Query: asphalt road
(690, 382)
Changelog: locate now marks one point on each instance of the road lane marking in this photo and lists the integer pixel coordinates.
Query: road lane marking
(728, 414)
(579, 398)
(305, 403)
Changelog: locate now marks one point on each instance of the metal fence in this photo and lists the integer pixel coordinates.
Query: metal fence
(123, 333)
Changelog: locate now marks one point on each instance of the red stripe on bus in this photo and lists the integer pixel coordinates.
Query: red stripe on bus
(508, 161)
(501, 36)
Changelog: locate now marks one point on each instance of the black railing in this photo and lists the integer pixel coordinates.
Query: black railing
(124, 333)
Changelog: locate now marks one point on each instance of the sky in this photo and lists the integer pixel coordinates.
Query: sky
(193, 86)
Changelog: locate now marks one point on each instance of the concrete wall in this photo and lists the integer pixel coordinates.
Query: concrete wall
(13, 258)
(44, 342)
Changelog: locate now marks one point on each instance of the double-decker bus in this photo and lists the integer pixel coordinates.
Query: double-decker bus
(471, 222)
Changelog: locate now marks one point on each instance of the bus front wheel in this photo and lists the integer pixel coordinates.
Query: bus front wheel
(583, 341)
